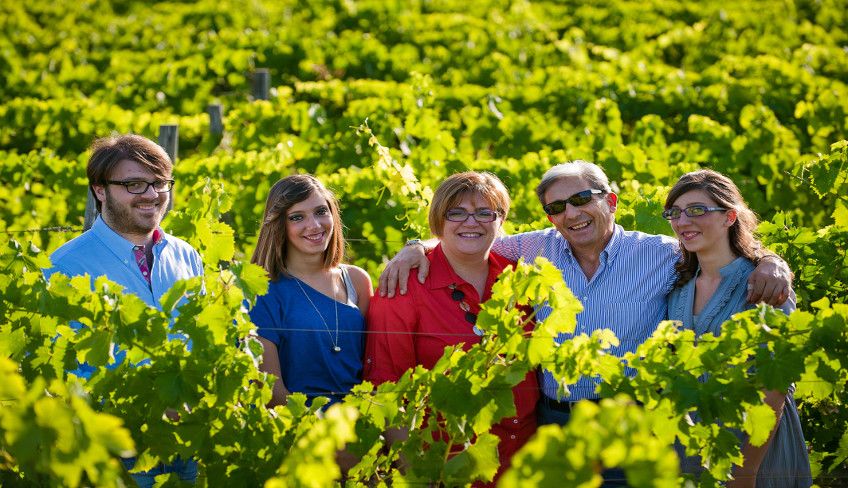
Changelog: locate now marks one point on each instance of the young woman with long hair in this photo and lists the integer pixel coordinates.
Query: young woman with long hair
(719, 250)
(311, 321)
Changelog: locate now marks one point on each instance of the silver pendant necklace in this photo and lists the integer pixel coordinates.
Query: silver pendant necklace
(334, 339)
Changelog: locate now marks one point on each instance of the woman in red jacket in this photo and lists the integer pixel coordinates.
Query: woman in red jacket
(466, 214)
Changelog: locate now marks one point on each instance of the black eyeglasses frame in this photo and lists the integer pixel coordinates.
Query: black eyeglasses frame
(126, 184)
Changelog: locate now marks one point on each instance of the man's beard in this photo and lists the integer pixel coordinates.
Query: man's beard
(124, 221)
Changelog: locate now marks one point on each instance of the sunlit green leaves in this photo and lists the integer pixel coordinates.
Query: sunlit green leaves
(829, 174)
(648, 90)
(759, 422)
(52, 431)
(615, 433)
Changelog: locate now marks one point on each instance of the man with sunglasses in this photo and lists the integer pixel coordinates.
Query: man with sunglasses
(130, 179)
(622, 278)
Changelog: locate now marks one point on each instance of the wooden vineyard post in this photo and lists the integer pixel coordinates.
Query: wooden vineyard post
(169, 140)
(261, 84)
(216, 119)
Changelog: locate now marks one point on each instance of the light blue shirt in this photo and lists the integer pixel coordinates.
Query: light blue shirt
(729, 298)
(627, 294)
(100, 251)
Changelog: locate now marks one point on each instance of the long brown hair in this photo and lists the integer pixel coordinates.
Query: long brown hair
(720, 188)
(271, 247)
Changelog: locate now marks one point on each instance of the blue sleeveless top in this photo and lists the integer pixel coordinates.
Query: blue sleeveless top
(308, 362)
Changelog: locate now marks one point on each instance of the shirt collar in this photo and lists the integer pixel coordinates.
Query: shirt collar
(614, 245)
(117, 243)
(442, 274)
(728, 269)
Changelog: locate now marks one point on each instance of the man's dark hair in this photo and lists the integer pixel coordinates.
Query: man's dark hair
(107, 152)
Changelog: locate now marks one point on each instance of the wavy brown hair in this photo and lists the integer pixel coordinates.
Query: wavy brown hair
(720, 188)
(271, 247)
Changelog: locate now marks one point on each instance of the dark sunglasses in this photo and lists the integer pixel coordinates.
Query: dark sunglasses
(673, 213)
(577, 200)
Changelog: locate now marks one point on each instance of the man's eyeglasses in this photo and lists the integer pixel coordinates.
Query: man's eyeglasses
(577, 200)
(482, 215)
(673, 213)
(137, 187)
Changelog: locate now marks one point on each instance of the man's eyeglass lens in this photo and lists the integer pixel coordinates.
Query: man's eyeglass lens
(674, 213)
(577, 200)
(139, 187)
(461, 215)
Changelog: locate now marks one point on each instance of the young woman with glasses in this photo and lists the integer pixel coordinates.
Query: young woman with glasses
(716, 232)
(466, 214)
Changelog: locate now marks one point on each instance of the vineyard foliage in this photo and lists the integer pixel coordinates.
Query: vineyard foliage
(382, 99)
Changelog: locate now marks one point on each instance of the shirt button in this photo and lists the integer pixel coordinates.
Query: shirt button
(514, 421)
(512, 437)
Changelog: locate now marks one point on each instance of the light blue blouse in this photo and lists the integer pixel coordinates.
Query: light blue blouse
(728, 299)
(786, 464)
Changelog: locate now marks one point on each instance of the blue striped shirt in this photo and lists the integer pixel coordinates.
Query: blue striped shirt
(627, 294)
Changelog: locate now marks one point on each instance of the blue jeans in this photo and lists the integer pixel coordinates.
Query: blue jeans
(186, 470)
(546, 415)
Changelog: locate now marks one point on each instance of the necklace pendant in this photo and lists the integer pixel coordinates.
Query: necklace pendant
(337, 349)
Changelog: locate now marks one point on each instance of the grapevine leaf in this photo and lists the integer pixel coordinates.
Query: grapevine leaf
(811, 385)
(215, 318)
(172, 297)
(759, 422)
(95, 348)
(252, 278)
(840, 214)
(842, 452)
(169, 387)
(478, 461)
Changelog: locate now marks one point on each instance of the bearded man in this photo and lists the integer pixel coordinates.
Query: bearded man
(130, 179)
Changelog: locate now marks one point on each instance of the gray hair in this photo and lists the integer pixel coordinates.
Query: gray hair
(578, 168)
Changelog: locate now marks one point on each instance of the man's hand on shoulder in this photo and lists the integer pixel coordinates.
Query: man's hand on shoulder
(396, 274)
(770, 282)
